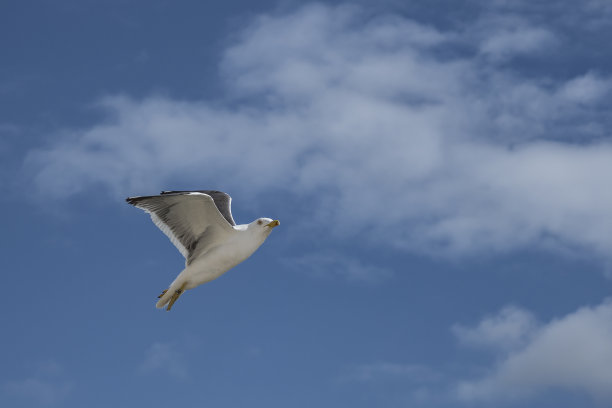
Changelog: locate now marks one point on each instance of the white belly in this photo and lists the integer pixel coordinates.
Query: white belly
(214, 264)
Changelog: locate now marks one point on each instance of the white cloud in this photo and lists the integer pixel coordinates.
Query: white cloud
(164, 359)
(517, 41)
(399, 142)
(572, 353)
(511, 328)
(589, 88)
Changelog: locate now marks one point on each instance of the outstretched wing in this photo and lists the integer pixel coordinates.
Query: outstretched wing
(191, 220)
(222, 200)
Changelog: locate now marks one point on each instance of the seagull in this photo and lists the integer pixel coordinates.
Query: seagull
(200, 224)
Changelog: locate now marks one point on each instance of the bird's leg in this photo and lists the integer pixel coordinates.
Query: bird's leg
(176, 295)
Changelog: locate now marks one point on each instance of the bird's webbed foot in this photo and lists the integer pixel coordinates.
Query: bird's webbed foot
(175, 296)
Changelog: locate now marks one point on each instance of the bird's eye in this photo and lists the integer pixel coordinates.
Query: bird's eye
(259, 222)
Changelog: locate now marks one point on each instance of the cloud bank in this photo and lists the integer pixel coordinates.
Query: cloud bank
(572, 353)
(429, 139)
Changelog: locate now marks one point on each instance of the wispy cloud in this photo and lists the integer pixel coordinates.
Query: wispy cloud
(588, 89)
(504, 37)
(589, 12)
(326, 264)
(396, 383)
(510, 328)
(402, 138)
(47, 386)
(43, 392)
(164, 359)
(385, 371)
(573, 353)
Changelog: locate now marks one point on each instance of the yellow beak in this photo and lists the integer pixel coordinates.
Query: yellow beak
(273, 224)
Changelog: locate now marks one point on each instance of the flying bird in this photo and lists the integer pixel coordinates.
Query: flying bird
(200, 225)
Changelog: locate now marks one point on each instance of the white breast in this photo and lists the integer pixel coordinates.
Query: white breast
(222, 258)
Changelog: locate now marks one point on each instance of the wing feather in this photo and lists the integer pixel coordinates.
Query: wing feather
(190, 220)
(222, 200)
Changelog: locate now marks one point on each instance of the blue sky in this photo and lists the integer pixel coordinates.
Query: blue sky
(441, 171)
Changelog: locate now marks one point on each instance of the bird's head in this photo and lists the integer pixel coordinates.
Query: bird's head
(264, 224)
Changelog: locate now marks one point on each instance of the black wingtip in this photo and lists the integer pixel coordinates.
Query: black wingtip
(132, 200)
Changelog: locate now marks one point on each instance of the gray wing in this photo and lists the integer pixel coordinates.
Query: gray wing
(222, 200)
(191, 220)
